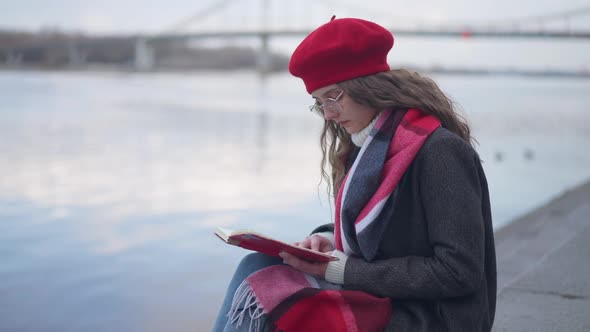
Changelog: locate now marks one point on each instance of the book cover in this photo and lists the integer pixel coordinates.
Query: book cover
(264, 244)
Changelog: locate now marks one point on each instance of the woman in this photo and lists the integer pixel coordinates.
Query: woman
(413, 229)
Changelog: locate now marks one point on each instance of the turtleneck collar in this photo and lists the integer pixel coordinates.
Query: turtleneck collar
(360, 137)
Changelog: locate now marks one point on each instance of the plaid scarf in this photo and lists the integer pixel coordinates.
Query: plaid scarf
(295, 301)
(366, 199)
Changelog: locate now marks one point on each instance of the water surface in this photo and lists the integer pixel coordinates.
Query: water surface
(111, 183)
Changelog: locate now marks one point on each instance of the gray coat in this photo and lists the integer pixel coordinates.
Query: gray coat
(436, 260)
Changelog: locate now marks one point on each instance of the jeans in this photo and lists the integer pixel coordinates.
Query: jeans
(249, 264)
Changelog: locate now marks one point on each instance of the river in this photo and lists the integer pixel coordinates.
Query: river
(111, 183)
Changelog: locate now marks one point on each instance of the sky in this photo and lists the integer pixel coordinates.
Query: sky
(132, 16)
(153, 17)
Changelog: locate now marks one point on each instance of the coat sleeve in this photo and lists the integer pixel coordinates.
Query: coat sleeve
(451, 197)
(324, 228)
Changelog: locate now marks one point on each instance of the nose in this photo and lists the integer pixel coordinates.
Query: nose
(329, 114)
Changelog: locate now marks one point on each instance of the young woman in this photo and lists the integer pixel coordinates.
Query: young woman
(413, 229)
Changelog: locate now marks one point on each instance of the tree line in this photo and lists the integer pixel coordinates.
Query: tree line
(56, 49)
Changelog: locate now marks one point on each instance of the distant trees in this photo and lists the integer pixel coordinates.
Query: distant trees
(55, 49)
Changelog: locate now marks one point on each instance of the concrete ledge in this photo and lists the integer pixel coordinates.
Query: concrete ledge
(544, 266)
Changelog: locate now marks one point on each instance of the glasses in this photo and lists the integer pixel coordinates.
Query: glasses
(328, 104)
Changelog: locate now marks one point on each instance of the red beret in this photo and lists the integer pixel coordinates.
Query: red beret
(340, 50)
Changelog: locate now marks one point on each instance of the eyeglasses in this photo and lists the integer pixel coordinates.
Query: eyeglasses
(328, 104)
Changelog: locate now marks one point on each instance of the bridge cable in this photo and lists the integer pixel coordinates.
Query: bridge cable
(576, 12)
(203, 13)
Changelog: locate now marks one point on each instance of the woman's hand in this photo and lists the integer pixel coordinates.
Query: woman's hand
(317, 243)
(317, 270)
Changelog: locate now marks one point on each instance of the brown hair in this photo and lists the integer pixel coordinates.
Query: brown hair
(395, 89)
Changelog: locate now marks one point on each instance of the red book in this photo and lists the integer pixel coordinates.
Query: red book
(255, 241)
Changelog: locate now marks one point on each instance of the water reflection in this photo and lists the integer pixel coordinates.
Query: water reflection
(203, 160)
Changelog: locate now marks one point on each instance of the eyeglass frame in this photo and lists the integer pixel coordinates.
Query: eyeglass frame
(318, 108)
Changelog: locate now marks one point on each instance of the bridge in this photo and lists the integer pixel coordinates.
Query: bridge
(266, 19)
(263, 20)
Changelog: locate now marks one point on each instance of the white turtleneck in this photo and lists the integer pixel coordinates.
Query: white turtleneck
(360, 137)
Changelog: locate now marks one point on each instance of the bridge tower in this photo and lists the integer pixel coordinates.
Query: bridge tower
(76, 57)
(144, 55)
(263, 61)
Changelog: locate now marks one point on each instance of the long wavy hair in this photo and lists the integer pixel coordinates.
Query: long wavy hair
(395, 89)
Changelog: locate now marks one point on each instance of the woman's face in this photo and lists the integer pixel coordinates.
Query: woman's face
(348, 114)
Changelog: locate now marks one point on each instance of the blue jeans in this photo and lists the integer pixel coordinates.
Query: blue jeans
(249, 264)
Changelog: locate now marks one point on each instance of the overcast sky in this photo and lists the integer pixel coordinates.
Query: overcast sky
(124, 16)
(143, 16)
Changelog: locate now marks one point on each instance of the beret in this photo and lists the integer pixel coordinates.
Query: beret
(340, 50)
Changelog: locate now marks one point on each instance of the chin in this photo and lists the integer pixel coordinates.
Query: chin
(351, 130)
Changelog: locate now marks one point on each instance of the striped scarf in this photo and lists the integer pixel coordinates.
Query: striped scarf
(366, 198)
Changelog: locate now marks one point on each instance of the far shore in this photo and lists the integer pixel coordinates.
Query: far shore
(90, 68)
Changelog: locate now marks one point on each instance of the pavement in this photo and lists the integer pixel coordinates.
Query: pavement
(543, 261)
